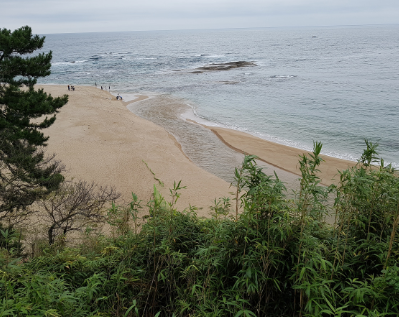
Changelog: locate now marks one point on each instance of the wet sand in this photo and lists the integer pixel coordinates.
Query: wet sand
(198, 143)
(280, 156)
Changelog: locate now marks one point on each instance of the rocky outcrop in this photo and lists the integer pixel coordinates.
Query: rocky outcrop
(223, 66)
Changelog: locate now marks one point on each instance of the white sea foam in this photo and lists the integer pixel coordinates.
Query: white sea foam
(60, 63)
(283, 76)
(68, 63)
(210, 55)
(213, 56)
(191, 114)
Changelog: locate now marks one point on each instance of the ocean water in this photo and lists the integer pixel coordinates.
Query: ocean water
(337, 85)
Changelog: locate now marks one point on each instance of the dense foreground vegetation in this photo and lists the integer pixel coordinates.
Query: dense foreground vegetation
(275, 258)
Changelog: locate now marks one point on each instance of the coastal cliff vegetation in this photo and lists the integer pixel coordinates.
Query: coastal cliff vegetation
(261, 253)
(278, 257)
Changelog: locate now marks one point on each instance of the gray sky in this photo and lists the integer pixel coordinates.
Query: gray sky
(73, 16)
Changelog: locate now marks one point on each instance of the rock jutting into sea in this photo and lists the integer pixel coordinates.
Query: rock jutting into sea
(223, 66)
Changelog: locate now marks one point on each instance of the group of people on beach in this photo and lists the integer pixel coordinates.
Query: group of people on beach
(72, 88)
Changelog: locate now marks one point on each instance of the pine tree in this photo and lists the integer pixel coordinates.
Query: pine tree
(26, 173)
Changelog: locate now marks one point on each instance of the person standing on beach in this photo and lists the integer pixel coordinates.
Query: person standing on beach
(69, 88)
(101, 87)
(109, 88)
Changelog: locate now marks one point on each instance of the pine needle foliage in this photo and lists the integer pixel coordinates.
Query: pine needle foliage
(275, 258)
(26, 174)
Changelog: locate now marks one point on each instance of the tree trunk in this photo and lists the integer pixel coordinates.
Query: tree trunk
(51, 235)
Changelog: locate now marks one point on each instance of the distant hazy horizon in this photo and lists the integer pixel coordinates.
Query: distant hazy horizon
(232, 28)
(73, 16)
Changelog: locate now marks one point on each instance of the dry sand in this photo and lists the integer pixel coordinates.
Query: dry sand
(99, 140)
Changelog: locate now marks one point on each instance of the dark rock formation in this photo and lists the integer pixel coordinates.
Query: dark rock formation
(223, 66)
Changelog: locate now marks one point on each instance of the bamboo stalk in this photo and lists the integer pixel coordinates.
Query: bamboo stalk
(394, 227)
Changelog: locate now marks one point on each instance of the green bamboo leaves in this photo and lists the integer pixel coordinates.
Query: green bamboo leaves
(274, 257)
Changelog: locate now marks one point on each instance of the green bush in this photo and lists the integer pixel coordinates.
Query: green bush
(278, 257)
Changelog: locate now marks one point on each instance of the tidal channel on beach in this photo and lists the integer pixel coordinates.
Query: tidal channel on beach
(198, 143)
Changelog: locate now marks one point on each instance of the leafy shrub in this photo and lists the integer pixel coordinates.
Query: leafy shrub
(276, 258)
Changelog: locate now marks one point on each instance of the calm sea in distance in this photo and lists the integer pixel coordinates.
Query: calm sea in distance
(336, 85)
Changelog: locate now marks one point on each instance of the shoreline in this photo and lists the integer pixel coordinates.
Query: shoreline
(242, 151)
(279, 157)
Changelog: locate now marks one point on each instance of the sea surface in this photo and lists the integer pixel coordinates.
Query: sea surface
(336, 85)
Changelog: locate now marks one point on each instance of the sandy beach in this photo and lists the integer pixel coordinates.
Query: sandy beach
(280, 156)
(100, 140)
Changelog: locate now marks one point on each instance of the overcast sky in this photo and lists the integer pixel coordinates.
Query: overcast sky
(73, 16)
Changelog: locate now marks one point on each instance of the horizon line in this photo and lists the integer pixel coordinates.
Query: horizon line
(238, 28)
